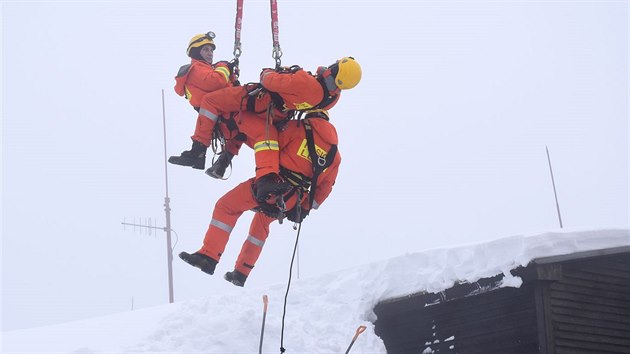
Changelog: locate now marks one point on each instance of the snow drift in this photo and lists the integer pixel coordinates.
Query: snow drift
(322, 312)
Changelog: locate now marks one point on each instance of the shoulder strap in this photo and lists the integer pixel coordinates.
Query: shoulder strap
(328, 98)
(319, 163)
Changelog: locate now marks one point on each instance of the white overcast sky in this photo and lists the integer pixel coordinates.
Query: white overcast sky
(443, 141)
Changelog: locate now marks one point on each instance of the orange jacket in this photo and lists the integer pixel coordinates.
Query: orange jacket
(295, 157)
(300, 90)
(198, 78)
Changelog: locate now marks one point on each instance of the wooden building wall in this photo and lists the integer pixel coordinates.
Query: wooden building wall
(570, 306)
(589, 307)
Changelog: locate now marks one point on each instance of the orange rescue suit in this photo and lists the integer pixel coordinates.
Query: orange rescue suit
(293, 156)
(196, 79)
(299, 90)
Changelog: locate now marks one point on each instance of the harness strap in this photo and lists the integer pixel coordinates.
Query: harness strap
(298, 180)
(319, 163)
(253, 92)
(328, 98)
(230, 123)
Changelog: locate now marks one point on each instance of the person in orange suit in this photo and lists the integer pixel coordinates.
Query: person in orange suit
(273, 101)
(304, 194)
(201, 76)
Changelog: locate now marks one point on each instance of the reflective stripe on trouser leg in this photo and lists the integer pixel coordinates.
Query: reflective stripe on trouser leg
(252, 247)
(255, 241)
(216, 238)
(225, 215)
(205, 124)
(223, 226)
(208, 114)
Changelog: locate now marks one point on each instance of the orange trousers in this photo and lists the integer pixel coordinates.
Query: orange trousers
(227, 211)
(261, 134)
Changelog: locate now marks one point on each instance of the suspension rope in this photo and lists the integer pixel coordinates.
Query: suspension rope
(277, 52)
(286, 295)
(237, 30)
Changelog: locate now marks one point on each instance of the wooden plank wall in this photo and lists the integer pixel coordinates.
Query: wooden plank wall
(590, 306)
(500, 321)
(579, 306)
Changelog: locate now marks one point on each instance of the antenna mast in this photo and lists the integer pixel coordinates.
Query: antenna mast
(167, 211)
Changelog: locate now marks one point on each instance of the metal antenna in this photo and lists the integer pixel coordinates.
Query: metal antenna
(167, 210)
(553, 183)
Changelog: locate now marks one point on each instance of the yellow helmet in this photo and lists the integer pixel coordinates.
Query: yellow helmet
(200, 40)
(348, 73)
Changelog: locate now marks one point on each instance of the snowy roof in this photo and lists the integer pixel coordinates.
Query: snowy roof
(322, 312)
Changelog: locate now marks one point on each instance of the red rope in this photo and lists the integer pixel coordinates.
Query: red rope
(237, 29)
(277, 52)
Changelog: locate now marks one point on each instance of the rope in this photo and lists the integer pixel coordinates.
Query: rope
(267, 122)
(286, 295)
(237, 29)
(277, 52)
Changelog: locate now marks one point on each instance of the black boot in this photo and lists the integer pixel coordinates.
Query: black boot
(201, 261)
(217, 170)
(235, 277)
(270, 184)
(195, 157)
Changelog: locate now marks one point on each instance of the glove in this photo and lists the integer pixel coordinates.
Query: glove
(292, 215)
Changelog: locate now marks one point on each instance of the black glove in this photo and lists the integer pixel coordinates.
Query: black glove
(292, 215)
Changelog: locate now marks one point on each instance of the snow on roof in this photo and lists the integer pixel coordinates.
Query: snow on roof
(322, 312)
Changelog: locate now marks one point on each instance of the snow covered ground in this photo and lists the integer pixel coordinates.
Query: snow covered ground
(323, 312)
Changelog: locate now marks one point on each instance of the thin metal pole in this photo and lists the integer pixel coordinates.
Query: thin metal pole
(167, 210)
(262, 330)
(554, 187)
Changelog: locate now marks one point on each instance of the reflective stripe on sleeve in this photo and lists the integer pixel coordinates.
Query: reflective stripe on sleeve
(267, 145)
(224, 71)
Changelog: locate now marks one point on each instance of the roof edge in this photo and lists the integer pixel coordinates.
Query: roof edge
(582, 255)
